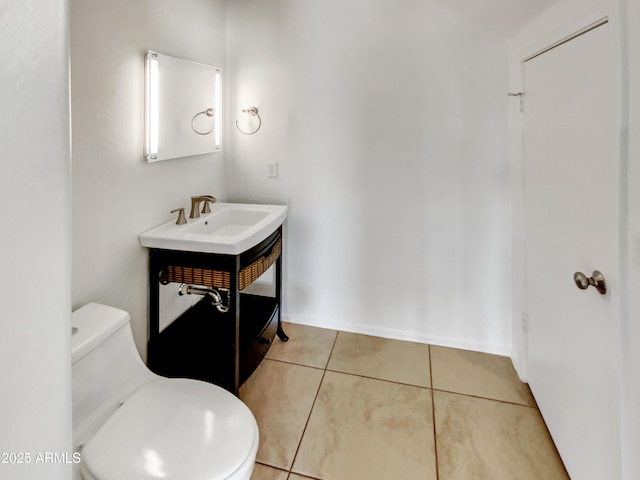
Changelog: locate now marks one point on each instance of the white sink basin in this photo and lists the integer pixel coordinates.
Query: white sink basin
(230, 228)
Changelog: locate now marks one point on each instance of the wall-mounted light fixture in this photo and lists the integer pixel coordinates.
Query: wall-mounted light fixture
(152, 113)
(183, 115)
(217, 130)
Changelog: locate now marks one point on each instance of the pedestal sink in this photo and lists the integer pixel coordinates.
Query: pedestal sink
(230, 228)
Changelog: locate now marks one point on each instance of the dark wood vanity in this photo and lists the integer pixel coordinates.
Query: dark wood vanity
(225, 344)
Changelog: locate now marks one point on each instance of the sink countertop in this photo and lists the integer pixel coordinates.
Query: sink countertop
(230, 228)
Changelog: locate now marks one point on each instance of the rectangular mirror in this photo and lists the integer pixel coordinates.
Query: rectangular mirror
(182, 108)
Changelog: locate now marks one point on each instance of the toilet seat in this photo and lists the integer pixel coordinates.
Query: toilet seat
(174, 429)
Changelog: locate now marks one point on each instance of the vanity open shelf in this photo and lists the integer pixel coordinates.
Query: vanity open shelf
(225, 344)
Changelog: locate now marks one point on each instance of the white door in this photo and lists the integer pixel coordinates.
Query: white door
(571, 171)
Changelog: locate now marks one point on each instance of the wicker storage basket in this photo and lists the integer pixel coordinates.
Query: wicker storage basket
(221, 279)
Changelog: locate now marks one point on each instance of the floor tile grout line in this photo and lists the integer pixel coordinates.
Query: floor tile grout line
(404, 383)
(280, 469)
(304, 430)
(479, 397)
(433, 417)
(333, 346)
(288, 362)
(303, 476)
(352, 374)
(397, 382)
(289, 473)
(359, 375)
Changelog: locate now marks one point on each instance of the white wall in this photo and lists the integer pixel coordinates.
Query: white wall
(35, 405)
(388, 121)
(116, 194)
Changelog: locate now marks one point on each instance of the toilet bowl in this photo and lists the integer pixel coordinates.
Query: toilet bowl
(129, 423)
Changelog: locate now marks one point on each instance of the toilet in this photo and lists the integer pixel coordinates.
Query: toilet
(129, 423)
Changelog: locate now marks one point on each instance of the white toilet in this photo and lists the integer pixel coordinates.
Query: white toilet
(131, 424)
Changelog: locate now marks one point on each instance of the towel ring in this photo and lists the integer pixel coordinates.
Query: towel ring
(209, 113)
(253, 111)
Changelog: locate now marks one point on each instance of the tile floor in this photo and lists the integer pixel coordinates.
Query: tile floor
(335, 406)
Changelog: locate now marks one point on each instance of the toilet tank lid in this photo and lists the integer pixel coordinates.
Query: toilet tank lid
(95, 323)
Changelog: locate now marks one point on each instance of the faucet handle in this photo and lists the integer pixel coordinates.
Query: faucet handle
(207, 199)
(181, 218)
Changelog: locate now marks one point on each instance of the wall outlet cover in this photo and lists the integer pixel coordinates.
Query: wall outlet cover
(272, 169)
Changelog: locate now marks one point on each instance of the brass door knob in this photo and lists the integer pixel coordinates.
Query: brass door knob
(595, 280)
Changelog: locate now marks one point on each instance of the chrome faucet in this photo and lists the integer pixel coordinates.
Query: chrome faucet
(195, 205)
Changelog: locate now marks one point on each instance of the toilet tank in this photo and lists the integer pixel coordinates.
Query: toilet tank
(106, 367)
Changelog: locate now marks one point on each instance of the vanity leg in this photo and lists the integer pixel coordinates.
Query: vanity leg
(281, 335)
(234, 312)
(154, 312)
(280, 332)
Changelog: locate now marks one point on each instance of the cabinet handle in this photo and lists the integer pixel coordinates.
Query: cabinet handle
(265, 341)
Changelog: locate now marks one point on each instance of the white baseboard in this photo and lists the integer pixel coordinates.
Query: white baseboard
(385, 332)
